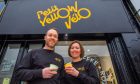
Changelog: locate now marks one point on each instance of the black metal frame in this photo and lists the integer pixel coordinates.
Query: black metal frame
(122, 61)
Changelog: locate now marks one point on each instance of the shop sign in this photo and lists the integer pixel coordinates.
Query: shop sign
(73, 15)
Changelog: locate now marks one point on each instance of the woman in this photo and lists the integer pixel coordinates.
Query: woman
(81, 71)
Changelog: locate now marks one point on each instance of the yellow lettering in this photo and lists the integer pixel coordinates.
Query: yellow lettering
(45, 13)
(39, 17)
(48, 20)
(74, 18)
(55, 8)
(68, 24)
(72, 7)
(84, 9)
(52, 18)
(63, 9)
(55, 16)
(38, 14)
(49, 10)
(42, 23)
(72, 13)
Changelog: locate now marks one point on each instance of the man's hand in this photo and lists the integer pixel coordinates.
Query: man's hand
(48, 73)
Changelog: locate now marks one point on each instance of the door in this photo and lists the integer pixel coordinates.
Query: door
(8, 61)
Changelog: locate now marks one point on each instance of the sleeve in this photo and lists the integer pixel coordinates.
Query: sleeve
(92, 77)
(24, 72)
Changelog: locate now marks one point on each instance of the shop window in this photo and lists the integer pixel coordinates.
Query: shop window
(137, 7)
(34, 46)
(97, 53)
(8, 63)
(136, 4)
(1, 0)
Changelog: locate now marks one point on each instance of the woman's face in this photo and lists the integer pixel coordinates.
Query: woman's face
(75, 50)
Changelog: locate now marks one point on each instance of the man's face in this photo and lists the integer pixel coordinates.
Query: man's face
(51, 38)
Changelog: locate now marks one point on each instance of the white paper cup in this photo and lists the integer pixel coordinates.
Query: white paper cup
(53, 66)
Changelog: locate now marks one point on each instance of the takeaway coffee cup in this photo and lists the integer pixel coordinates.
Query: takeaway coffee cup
(68, 65)
(53, 66)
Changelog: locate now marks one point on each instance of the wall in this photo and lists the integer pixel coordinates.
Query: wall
(132, 41)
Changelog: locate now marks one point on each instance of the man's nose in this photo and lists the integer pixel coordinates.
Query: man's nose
(52, 37)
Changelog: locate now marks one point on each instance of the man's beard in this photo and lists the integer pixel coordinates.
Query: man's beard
(50, 46)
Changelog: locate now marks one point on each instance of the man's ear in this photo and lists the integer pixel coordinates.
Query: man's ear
(44, 37)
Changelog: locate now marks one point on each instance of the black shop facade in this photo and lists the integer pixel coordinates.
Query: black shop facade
(103, 27)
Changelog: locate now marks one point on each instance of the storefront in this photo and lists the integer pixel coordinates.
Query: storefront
(99, 25)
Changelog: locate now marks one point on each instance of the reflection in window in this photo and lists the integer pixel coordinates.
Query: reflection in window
(2, 6)
(99, 56)
(136, 4)
(59, 48)
(8, 63)
(34, 46)
(96, 52)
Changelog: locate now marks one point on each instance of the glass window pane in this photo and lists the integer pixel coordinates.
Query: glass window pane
(8, 63)
(136, 4)
(34, 46)
(1, 0)
(96, 52)
(2, 6)
(60, 48)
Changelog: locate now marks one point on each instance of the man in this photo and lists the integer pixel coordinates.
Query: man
(35, 66)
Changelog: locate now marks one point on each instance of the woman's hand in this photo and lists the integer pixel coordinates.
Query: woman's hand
(72, 71)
